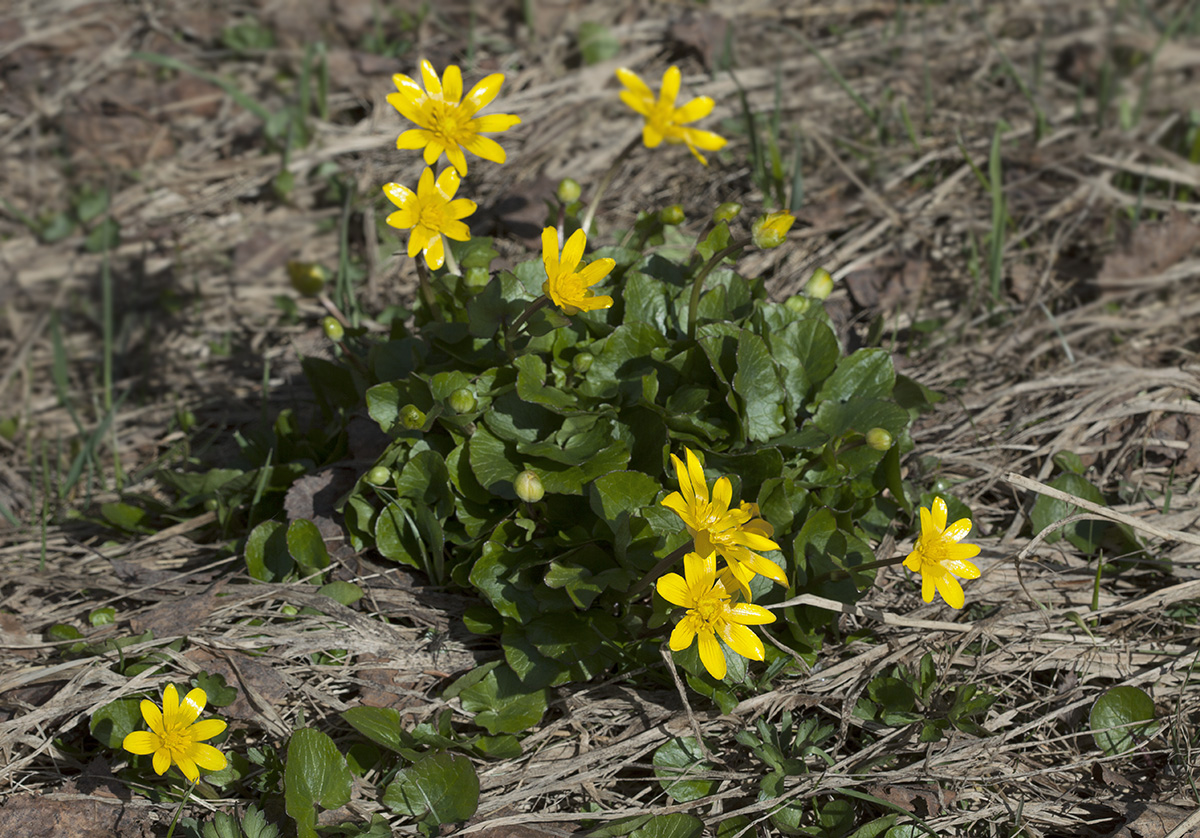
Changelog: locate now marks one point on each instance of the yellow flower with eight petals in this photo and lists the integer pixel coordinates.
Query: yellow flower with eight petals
(664, 121)
(176, 737)
(447, 122)
(735, 534)
(430, 214)
(710, 614)
(570, 289)
(938, 556)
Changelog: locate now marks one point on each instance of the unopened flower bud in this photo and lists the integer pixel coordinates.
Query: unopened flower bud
(879, 439)
(771, 229)
(528, 486)
(582, 362)
(308, 278)
(798, 303)
(672, 215)
(379, 475)
(569, 190)
(462, 400)
(727, 211)
(333, 328)
(412, 417)
(819, 285)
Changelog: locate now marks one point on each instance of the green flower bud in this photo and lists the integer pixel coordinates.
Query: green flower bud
(771, 229)
(582, 362)
(462, 400)
(476, 277)
(412, 417)
(727, 211)
(569, 190)
(308, 278)
(798, 303)
(879, 439)
(528, 486)
(333, 329)
(378, 475)
(672, 215)
(210, 505)
(819, 285)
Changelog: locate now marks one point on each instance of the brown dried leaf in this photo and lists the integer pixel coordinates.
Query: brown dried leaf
(314, 496)
(36, 816)
(1152, 248)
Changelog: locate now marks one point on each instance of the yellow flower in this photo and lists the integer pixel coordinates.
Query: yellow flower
(771, 229)
(176, 737)
(733, 533)
(938, 556)
(446, 121)
(571, 290)
(664, 121)
(710, 614)
(430, 214)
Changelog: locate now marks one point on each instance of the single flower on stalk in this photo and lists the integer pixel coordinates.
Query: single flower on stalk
(446, 121)
(735, 534)
(664, 121)
(571, 290)
(431, 212)
(176, 737)
(771, 229)
(938, 556)
(711, 614)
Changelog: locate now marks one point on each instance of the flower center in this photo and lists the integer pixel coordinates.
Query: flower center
(432, 215)
(448, 122)
(175, 740)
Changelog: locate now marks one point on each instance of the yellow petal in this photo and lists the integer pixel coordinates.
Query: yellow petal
(485, 148)
(765, 567)
(706, 140)
(208, 757)
(411, 106)
(958, 530)
(743, 641)
(170, 704)
(482, 94)
(960, 567)
(460, 208)
(493, 123)
(696, 473)
(456, 230)
(634, 83)
(698, 108)
(722, 493)
(447, 183)
(572, 251)
(673, 589)
(452, 84)
(152, 715)
(593, 272)
(425, 185)
(162, 761)
(141, 742)
(670, 86)
(682, 635)
(913, 562)
(938, 516)
(457, 159)
(676, 504)
(433, 151)
(206, 729)
(639, 104)
(435, 252)
(749, 614)
(187, 767)
(429, 77)
(950, 590)
(711, 655)
(550, 253)
(413, 138)
(651, 136)
(927, 587)
(192, 706)
(417, 240)
(596, 302)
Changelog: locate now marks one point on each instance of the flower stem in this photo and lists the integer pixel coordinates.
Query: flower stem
(839, 573)
(186, 796)
(701, 275)
(428, 296)
(605, 182)
(511, 332)
(658, 569)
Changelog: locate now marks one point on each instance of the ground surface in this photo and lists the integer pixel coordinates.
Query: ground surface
(1073, 331)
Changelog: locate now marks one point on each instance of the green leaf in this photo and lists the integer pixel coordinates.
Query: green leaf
(315, 774)
(531, 384)
(678, 825)
(1084, 535)
(219, 693)
(393, 535)
(490, 463)
(758, 386)
(104, 236)
(1121, 719)
(424, 479)
(307, 547)
(347, 593)
(860, 415)
(503, 704)
(597, 43)
(868, 374)
(125, 517)
(116, 720)
(677, 764)
(619, 495)
(382, 726)
(442, 785)
(267, 555)
(102, 616)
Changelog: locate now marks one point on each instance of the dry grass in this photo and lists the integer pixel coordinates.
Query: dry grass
(1090, 348)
